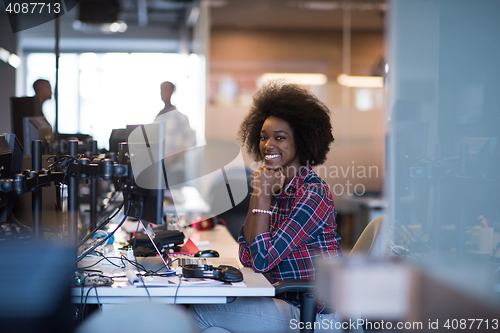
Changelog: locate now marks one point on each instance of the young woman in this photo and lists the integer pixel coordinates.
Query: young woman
(291, 218)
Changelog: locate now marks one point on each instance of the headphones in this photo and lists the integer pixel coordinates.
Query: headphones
(222, 272)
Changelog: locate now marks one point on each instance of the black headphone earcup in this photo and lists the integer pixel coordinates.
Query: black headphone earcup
(222, 273)
(195, 271)
(230, 274)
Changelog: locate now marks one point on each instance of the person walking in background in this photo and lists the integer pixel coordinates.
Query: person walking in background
(179, 136)
(43, 92)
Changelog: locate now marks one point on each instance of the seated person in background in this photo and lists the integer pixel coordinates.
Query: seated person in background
(43, 92)
(291, 218)
(179, 136)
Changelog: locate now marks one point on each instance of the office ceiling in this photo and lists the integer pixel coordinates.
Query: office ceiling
(297, 14)
(259, 14)
(161, 25)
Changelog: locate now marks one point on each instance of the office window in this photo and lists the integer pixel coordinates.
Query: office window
(102, 91)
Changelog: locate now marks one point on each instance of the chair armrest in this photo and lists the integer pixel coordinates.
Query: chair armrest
(308, 302)
(293, 285)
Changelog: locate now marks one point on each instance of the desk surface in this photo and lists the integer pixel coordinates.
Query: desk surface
(219, 239)
(187, 200)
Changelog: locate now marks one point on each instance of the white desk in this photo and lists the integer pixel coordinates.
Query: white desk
(255, 284)
(187, 200)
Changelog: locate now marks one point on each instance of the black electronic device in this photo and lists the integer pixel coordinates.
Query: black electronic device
(22, 210)
(21, 107)
(223, 272)
(37, 128)
(117, 136)
(11, 163)
(207, 253)
(143, 204)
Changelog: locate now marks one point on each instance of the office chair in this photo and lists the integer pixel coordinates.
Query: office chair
(372, 242)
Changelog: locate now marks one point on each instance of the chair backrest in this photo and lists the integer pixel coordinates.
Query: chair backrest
(374, 239)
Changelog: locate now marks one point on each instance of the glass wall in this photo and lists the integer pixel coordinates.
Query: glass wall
(444, 126)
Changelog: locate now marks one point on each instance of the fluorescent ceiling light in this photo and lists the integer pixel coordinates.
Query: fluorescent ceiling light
(14, 60)
(361, 81)
(298, 78)
(319, 5)
(105, 28)
(4, 54)
(10, 58)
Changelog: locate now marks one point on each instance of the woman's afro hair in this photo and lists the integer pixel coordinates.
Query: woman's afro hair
(307, 116)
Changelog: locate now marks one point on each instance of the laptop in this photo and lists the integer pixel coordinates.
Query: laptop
(173, 265)
(157, 244)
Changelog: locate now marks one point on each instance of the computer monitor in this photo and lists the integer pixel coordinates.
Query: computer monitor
(144, 201)
(21, 107)
(117, 136)
(37, 128)
(141, 203)
(11, 163)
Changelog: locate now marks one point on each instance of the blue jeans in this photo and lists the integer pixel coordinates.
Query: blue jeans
(255, 314)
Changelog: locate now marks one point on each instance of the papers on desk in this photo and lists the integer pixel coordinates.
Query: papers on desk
(173, 281)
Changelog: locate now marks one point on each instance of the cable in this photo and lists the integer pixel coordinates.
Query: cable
(80, 314)
(98, 302)
(177, 290)
(16, 221)
(135, 259)
(86, 298)
(105, 239)
(112, 199)
(102, 224)
(103, 258)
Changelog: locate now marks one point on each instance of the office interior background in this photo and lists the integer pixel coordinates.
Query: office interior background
(423, 144)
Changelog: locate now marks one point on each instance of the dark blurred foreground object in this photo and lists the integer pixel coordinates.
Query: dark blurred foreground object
(35, 282)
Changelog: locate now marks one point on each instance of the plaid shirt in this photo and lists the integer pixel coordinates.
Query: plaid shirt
(302, 227)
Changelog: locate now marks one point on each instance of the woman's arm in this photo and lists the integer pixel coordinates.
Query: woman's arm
(264, 182)
(310, 214)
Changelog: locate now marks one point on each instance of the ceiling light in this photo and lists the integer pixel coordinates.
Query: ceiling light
(217, 3)
(311, 79)
(14, 60)
(4, 54)
(361, 81)
(319, 5)
(10, 58)
(106, 28)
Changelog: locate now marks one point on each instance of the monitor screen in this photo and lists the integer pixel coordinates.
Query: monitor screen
(21, 107)
(37, 128)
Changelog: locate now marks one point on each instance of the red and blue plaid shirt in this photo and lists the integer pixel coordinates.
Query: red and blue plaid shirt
(302, 227)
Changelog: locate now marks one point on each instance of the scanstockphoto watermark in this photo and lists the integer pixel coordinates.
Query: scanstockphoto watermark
(328, 324)
(349, 180)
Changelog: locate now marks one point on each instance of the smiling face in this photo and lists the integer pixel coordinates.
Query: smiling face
(277, 145)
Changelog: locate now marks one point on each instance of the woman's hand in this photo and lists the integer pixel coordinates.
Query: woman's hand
(267, 181)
